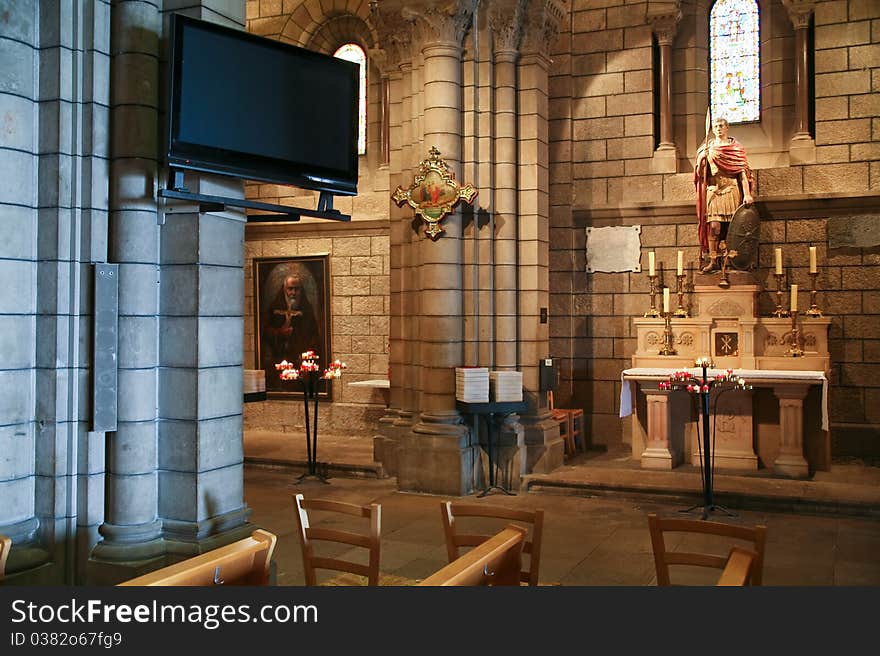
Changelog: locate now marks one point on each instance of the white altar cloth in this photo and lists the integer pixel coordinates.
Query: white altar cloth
(754, 377)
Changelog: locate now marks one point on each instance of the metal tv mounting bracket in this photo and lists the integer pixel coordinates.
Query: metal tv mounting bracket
(177, 189)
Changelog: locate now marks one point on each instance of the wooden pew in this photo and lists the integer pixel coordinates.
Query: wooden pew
(738, 569)
(497, 561)
(5, 548)
(245, 562)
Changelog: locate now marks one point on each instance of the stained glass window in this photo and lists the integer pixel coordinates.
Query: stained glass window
(734, 47)
(354, 53)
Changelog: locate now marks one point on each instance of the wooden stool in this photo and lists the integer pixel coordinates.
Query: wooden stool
(570, 425)
(576, 419)
(565, 431)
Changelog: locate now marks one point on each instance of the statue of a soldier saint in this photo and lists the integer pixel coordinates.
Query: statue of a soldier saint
(728, 223)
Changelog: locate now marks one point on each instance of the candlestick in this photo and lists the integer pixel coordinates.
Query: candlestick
(668, 347)
(795, 351)
(679, 269)
(778, 261)
(651, 263)
(779, 312)
(680, 311)
(653, 312)
(666, 300)
(794, 298)
(814, 310)
(812, 259)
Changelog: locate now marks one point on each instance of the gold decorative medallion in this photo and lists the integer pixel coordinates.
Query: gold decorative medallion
(434, 192)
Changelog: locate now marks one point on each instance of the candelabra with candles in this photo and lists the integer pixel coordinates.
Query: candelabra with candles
(795, 351)
(680, 311)
(779, 311)
(653, 311)
(702, 385)
(814, 310)
(668, 347)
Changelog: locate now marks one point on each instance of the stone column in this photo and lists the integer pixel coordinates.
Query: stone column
(53, 225)
(394, 38)
(544, 447)
(665, 24)
(437, 456)
(201, 459)
(791, 461)
(802, 148)
(505, 23)
(661, 452)
(132, 530)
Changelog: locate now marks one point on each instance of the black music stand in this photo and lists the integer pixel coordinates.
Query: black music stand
(491, 411)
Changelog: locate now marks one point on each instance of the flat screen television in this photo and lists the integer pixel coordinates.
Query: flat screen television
(250, 107)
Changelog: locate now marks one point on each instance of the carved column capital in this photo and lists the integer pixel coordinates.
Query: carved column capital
(506, 24)
(541, 25)
(394, 35)
(442, 22)
(664, 23)
(799, 12)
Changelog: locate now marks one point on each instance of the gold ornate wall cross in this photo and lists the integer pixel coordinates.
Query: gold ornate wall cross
(434, 192)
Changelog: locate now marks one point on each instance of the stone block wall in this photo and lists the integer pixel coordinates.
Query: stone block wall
(612, 184)
(359, 311)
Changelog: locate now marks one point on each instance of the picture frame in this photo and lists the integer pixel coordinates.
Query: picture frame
(291, 316)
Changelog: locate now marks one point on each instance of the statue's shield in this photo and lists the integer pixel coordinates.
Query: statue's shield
(742, 237)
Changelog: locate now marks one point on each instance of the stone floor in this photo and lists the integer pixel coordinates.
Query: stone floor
(821, 532)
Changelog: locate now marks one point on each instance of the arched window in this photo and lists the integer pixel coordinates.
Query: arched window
(734, 50)
(354, 53)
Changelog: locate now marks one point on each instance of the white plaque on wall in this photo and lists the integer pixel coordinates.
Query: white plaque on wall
(613, 248)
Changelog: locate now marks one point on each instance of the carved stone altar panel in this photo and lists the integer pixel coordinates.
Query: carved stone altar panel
(732, 427)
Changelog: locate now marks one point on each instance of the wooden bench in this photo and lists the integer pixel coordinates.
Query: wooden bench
(738, 569)
(244, 562)
(5, 548)
(497, 561)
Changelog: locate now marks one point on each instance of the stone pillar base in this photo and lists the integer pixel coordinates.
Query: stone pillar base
(792, 465)
(385, 443)
(657, 458)
(665, 160)
(116, 560)
(544, 449)
(802, 150)
(436, 458)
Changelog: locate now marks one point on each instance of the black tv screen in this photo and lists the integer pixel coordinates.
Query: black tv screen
(255, 108)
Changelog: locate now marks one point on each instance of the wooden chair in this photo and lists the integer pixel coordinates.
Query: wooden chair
(5, 548)
(458, 533)
(737, 571)
(308, 535)
(571, 426)
(243, 562)
(756, 536)
(497, 561)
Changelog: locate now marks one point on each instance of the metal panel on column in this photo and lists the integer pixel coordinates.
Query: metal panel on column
(106, 333)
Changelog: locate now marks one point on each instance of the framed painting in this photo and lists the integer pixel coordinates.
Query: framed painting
(292, 316)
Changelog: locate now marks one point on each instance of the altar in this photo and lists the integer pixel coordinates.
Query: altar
(781, 424)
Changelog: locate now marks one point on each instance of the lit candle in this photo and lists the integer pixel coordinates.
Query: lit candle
(812, 259)
(778, 261)
(680, 267)
(794, 298)
(666, 299)
(651, 263)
